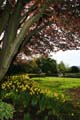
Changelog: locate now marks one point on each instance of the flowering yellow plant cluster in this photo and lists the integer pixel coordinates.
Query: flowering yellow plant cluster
(23, 91)
(21, 83)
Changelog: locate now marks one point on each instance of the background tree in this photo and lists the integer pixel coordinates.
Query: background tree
(62, 67)
(47, 65)
(74, 69)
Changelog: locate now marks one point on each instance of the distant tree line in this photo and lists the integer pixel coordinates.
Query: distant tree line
(45, 65)
(66, 71)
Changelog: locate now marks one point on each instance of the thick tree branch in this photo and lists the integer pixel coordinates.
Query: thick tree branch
(33, 32)
(23, 18)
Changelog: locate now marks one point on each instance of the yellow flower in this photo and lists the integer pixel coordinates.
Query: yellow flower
(24, 89)
(55, 94)
(16, 90)
(3, 86)
(30, 93)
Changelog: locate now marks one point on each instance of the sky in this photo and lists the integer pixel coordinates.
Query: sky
(69, 57)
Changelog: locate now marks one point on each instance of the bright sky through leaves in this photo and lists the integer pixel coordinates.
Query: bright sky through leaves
(69, 57)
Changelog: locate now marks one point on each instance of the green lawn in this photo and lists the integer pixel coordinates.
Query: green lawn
(69, 86)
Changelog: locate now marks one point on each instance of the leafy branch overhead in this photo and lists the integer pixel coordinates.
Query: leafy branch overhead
(63, 33)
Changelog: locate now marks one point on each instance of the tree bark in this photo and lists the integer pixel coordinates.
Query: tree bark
(11, 48)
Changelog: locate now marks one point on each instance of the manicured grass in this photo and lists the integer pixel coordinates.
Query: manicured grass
(58, 84)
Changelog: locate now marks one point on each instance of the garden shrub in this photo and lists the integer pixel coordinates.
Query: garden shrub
(6, 111)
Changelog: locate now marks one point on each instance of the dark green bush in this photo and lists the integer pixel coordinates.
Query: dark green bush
(74, 69)
(37, 75)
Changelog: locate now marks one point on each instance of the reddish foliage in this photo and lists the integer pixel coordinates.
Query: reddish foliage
(63, 33)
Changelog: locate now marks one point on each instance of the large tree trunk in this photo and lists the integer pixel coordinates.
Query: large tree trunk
(10, 24)
(11, 46)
